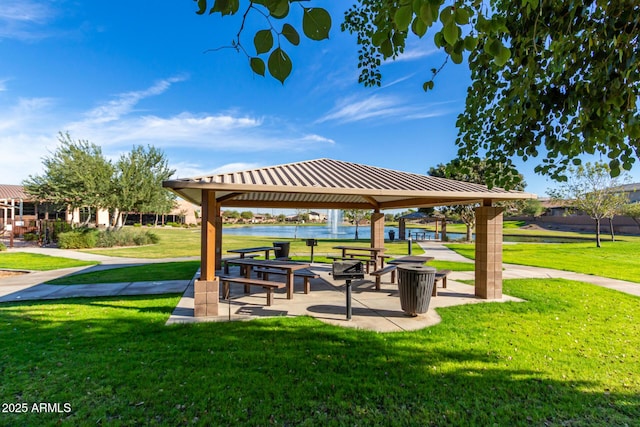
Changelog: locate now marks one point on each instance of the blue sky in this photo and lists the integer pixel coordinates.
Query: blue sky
(121, 74)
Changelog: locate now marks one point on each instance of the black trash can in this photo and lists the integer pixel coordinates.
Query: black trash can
(392, 235)
(284, 249)
(415, 284)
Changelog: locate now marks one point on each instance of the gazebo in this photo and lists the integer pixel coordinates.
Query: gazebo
(335, 184)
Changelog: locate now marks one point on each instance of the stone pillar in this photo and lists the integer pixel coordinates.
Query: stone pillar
(488, 280)
(206, 296)
(377, 232)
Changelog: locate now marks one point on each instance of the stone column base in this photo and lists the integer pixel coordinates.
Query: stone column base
(206, 298)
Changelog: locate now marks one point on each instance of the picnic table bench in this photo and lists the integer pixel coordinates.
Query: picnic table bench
(267, 285)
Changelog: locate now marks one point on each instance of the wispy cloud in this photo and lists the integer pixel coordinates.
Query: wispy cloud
(416, 53)
(125, 102)
(23, 19)
(354, 109)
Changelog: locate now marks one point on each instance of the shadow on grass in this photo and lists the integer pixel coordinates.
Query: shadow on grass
(115, 362)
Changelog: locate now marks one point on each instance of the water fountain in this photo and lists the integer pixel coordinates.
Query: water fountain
(334, 220)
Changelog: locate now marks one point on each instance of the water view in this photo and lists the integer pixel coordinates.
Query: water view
(318, 231)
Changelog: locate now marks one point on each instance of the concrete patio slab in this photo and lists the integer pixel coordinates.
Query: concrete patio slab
(372, 310)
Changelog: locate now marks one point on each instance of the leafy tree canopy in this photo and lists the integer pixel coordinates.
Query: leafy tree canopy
(550, 78)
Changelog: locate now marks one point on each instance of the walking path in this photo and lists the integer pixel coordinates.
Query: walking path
(372, 310)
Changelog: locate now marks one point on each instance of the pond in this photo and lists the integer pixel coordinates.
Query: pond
(319, 232)
(364, 232)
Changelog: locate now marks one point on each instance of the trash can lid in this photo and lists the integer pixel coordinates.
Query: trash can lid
(417, 268)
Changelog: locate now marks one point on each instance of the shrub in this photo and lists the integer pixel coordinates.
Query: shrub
(137, 224)
(83, 238)
(30, 237)
(58, 226)
(2, 247)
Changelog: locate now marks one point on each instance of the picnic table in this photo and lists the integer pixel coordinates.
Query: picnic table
(287, 267)
(373, 255)
(257, 249)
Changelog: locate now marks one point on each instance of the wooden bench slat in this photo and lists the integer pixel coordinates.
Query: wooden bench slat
(382, 271)
(440, 275)
(268, 286)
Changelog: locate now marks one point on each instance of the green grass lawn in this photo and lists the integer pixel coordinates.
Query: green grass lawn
(140, 273)
(27, 261)
(568, 356)
(186, 242)
(617, 260)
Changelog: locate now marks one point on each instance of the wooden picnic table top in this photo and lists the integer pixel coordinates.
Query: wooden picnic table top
(255, 249)
(272, 263)
(360, 248)
(411, 259)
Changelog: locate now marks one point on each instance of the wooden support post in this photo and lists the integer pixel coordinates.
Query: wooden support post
(377, 234)
(488, 280)
(207, 289)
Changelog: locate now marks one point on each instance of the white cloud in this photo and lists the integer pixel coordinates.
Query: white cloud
(22, 19)
(354, 109)
(29, 128)
(125, 102)
(416, 53)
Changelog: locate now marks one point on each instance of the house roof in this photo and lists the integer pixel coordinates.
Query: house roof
(8, 192)
(328, 183)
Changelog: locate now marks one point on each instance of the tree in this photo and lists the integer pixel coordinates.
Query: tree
(138, 182)
(591, 189)
(75, 175)
(632, 210)
(554, 78)
(468, 171)
(355, 216)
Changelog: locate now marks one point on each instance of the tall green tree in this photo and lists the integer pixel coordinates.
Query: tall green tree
(76, 175)
(592, 190)
(550, 78)
(138, 182)
(474, 171)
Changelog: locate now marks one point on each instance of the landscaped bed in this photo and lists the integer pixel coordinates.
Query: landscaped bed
(567, 356)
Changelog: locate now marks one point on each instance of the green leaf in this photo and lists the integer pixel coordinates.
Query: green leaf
(418, 27)
(461, 16)
(202, 7)
(470, 42)
(446, 16)
(451, 33)
(427, 85)
(279, 65)
(316, 23)
(279, 9)
(426, 15)
(378, 37)
(291, 34)
(225, 7)
(263, 41)
(386, 48)
(257, 65)
(403, 17)
(503, 56)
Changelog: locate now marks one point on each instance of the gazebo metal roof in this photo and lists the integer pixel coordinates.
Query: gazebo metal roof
(328, 183)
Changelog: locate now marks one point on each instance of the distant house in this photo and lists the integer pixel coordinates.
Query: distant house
(16, 206)
(632, 190)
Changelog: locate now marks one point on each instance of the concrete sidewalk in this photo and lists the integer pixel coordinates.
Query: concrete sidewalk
(33, 286)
